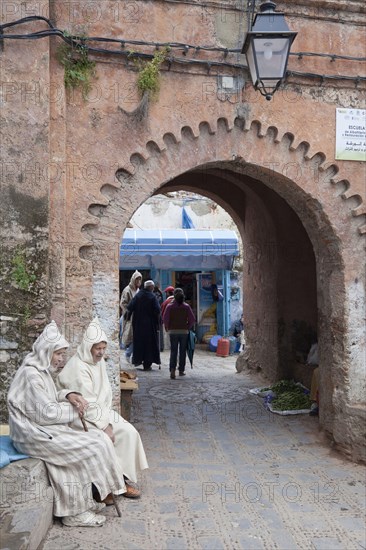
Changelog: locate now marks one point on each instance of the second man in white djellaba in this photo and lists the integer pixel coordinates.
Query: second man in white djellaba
(86, 372)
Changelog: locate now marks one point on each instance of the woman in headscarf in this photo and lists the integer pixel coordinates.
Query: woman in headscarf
(86, 372)
(128, 293)
(39, 418)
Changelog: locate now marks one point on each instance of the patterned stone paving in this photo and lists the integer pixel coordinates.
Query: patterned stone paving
(226, 474)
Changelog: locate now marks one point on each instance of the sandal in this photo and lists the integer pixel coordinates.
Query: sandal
(131, 492)
(86, 519)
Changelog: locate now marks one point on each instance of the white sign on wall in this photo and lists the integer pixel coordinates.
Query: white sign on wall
(351, 134)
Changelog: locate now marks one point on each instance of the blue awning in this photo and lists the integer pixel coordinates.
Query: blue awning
(178, 249)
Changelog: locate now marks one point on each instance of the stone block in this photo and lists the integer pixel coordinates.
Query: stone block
(5, 344)
(26, 504)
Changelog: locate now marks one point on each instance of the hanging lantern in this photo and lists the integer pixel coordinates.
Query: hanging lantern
(267, 47)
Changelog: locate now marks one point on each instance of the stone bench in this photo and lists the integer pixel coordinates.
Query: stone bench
(126, 389)
(26, 504)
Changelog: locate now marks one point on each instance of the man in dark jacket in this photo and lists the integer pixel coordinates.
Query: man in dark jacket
(145, 324)
(178, 319)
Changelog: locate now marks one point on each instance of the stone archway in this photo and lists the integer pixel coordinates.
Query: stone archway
(278, 266)
(310, 188)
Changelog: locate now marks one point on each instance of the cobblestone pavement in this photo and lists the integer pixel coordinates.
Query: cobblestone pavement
(226, 474)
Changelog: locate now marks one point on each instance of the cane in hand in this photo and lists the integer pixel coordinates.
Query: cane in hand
(113, 496)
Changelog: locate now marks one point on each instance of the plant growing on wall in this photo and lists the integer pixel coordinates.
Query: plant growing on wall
(79, 69)
(148, 80)
(21, 274)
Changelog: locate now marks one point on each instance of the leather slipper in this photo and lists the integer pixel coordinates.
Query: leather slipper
(131, 492)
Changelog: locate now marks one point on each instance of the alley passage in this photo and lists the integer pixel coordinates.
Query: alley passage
(226, 474)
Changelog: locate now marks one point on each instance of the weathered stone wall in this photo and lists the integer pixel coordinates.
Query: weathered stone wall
(217, 140)
(260, 280)
(280, 268)
(24, 223)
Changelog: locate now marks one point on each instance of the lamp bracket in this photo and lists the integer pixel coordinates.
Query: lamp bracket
(267, 7)
(264, 92)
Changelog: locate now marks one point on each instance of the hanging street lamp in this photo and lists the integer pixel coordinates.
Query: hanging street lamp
(267, 47)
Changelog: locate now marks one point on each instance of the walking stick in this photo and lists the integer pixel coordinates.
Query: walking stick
(159, 336)
(113, 496)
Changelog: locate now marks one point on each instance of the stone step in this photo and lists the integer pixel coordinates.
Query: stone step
(26, 504)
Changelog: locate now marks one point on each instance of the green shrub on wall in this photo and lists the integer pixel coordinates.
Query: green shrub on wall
(21, 274)
(148, 80)
(79, 70)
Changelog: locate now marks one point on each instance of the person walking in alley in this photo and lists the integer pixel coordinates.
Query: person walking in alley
(86, 373)
(159, 296)
(169, 298)
(127, 295)
(39, 421)
(169, 293)
(145, 312)
(178, 320)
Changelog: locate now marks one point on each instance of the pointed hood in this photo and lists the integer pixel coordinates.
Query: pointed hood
(49, 341)
(94, 334)
(134, 276)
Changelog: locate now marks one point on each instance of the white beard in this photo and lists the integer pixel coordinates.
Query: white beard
(54, 372)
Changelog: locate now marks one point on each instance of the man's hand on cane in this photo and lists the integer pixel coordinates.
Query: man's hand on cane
(78, 402)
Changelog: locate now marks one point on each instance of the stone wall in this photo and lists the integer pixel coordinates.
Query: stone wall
(24, 223)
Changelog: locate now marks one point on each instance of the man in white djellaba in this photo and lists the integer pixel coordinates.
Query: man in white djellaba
(127, 295)
(39, 418)
(86, 372)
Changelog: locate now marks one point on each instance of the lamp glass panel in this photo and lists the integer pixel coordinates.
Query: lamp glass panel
(271, 54)
(251, 63)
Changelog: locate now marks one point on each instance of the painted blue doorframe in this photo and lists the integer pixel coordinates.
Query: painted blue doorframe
(227, 300)
(164, 277)
(223, 305)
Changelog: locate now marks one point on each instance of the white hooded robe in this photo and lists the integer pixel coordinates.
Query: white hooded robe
(128, 293)
(91, 380)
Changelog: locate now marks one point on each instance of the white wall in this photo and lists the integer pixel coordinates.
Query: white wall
(162, 212)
